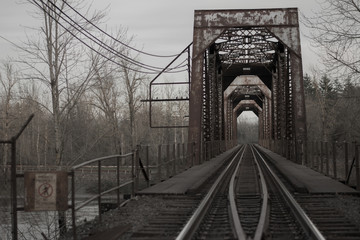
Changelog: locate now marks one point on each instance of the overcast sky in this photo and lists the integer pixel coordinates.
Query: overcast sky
(159, 26)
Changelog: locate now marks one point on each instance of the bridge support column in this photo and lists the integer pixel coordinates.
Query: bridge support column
(299, 113)
(195, 107)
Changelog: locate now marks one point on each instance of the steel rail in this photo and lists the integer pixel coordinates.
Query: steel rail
(238, 229)
(264, 208)
(308, 226)
(240, 234)
(194, 222)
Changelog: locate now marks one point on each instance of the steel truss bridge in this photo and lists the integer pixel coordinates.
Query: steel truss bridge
(244, 60)
(247, 60)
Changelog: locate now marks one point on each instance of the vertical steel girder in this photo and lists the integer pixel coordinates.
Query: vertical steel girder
(212, 99)
(283, 116)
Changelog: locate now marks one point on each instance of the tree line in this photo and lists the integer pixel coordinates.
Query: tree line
(332, 109)
(86, 98)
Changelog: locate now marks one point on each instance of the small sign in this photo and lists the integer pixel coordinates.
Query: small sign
(45, 191)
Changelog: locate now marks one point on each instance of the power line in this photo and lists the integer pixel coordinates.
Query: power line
(87, 45)
(98, 41)
(126, 45)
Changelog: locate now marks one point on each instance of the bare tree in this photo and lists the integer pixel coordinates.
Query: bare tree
(8, 83)
(327, 100)
(132, 81)
(106, 86)
(107, 98)
(335, 29)
(57, 60)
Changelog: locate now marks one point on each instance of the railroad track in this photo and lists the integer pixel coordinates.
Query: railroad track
(179, 209)
(259, 206)
(247, 200)
(328, 218)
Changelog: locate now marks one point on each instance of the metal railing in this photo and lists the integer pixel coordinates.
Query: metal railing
(214, 148)
(338, 160)
(156, 163)
(169, 160)
(100, 191)
(163, 161)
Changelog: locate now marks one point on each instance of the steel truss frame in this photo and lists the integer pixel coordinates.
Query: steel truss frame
(226, 40)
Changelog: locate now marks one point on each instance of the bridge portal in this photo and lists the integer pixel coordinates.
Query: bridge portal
(247, 60)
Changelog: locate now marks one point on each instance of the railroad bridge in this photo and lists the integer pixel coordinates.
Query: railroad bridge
(242, 60)
(247, 60)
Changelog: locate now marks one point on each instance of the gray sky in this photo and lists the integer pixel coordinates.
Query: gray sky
(159, 26)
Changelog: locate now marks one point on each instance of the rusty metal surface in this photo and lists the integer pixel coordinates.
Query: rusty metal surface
(152, 99)
(247, 105)
(227, 46)
(246, 17)
(247, 80)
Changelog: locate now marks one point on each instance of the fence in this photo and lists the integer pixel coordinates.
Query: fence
(156, 163)
(338, 160)
(100, 192)
(214, 148)
(127, 173)
(159, 162)
(13, 178)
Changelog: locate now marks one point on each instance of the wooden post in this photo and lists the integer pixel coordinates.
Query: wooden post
(99, 189)
(321, 157)
(314, 157)
(357, 167)
(301, 147)
(193, 154)
(208, 151)
(137, 168)
(133, 174)
(178, 156)
(346, 160)
(356, 155)
(188, 158)
(118, 180)
(311, 155)
(14, 227)
(73, 216)
(327, 158)
(184, 160)
(334, 160)
(147, 164)
(167, 161)
(159, 163)
(174, 159)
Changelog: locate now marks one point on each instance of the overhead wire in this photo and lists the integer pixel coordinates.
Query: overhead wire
(118, 41)
(87, 45)
(99, 42)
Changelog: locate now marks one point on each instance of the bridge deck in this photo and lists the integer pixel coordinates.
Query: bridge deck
(189, 180)
(305, 179)
(302, 178)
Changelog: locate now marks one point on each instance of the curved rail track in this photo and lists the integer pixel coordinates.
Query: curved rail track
(248, 200)
(252, 215)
